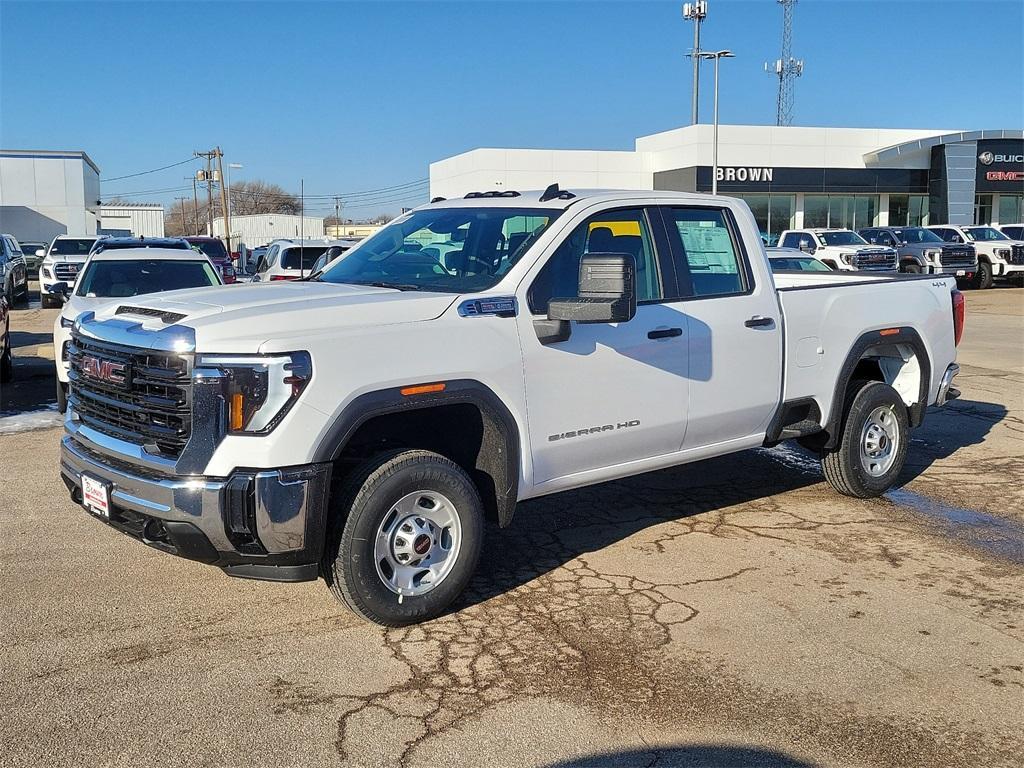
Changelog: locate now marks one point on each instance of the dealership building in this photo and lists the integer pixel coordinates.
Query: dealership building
(789, 176)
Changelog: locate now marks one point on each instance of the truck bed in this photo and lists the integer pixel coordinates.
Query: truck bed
(825, 314)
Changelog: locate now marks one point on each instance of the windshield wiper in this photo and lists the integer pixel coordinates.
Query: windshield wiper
(382, 284)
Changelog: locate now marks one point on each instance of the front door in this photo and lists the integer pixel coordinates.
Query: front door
(610, 393)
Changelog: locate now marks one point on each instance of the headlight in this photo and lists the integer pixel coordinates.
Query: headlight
(933, 255)
(847, 257)
(260, 389)
(67, 322)
(47, 274)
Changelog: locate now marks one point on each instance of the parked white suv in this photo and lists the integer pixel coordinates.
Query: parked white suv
(62, 262)
(118, 275)
(998, 255)
(841, 249)
(289, 260)
(362, 424)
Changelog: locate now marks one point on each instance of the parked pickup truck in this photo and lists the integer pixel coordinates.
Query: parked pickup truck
(841, 249)
(921, 251)
(363, 424)
(61, 264)
(998, 255)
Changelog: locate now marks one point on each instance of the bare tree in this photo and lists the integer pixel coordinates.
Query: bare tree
(247, 197)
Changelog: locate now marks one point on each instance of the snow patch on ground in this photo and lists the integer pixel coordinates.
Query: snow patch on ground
(45, 418)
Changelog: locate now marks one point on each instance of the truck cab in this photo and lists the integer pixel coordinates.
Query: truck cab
(841, 249)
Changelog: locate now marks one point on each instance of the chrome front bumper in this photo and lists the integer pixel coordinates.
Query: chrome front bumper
(946, 390)
(266, 524)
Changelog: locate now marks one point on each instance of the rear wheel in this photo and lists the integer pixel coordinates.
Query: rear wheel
(406, 538)
(873, 444)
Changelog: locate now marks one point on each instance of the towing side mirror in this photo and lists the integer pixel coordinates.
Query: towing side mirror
(607, 294)
(60, 289)
(806, 247)
(41, 252)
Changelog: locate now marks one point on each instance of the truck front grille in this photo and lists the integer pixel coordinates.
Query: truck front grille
(66, 271)
(875, 261)
(1017, 257)
(137, 395)
(958, 257)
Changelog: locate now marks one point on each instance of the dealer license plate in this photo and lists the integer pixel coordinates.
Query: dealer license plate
(961, 272)
(96, 496)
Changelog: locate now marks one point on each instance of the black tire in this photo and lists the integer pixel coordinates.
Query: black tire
(45, 301)
(912, 269)
(62, 397)
(365, 502)
(7, 363)
(843, 466)
(23, 296)
(984, 279)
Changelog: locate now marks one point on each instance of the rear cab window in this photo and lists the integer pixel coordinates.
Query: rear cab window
(707, 256)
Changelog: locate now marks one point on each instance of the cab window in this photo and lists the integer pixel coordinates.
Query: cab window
(707, 258)
(623, 231)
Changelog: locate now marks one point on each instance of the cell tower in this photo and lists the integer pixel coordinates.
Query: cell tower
(786, 68)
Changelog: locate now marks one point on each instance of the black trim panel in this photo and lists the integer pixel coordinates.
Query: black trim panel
(389, 401)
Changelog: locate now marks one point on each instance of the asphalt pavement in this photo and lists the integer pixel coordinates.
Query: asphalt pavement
(735, 612)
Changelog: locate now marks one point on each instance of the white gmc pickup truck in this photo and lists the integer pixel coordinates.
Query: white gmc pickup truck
(363, 423)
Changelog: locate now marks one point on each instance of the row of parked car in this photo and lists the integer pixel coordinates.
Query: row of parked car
(976, 255)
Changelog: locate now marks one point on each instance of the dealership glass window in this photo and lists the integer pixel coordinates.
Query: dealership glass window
(908, 210)
(983, 209)
(1011, 209)
(840, 211)
(773, 213)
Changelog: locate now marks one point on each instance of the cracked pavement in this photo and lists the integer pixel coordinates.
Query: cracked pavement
(731, 612)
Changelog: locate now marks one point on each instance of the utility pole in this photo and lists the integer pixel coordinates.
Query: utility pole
(195, 206)
(181, 201)
(337, 215)
(223, 201)
(302, 228)
(207, 176)
(695, 12)
(786, 68)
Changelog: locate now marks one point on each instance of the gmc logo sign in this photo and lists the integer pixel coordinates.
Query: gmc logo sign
(105, 370)
(1004, 176)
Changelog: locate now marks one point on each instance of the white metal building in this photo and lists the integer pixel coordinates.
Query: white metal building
(138, 219)
(45, 193)
(259, 229)
(790, 176)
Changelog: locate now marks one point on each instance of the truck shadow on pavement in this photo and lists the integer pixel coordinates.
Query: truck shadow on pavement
(694, 755)
(958, 424)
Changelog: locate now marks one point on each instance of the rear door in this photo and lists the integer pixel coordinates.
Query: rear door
(733, 327)
(610, 393)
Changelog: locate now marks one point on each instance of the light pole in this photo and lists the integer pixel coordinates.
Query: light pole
(716, 55)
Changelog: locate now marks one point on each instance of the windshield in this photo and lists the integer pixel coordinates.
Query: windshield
(301, 258)
(984, 233)
(917, 235)
(213, 248)
(1016, 232)
(123, 278)
(116, 245)
(842, 238)
(451, 250)
(72, 246)
(805, 264)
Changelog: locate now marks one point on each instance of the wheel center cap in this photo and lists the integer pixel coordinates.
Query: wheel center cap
(422, 544)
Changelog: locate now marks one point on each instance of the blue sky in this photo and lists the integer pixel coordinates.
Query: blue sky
(362, 96)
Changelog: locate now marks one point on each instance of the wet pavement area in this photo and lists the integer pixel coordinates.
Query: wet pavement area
(734, 612)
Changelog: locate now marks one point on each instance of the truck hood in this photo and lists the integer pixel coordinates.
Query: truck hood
(273, 317)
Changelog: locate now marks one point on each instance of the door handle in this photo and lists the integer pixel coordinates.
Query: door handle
(665, 333)
(759, 322)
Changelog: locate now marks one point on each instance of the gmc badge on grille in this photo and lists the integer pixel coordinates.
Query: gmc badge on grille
(105, 370)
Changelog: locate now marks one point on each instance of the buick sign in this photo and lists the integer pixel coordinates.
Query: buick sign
(987, 158)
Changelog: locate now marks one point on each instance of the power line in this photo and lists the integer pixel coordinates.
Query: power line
(154, 170)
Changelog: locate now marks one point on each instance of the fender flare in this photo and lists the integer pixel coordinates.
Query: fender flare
(865, 342)
(505, 466)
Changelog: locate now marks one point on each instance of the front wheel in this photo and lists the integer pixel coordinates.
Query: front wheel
(912, 269)
(984, 278)
(406, 538)
(62, 397)
(7, 363)
(873, 445)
